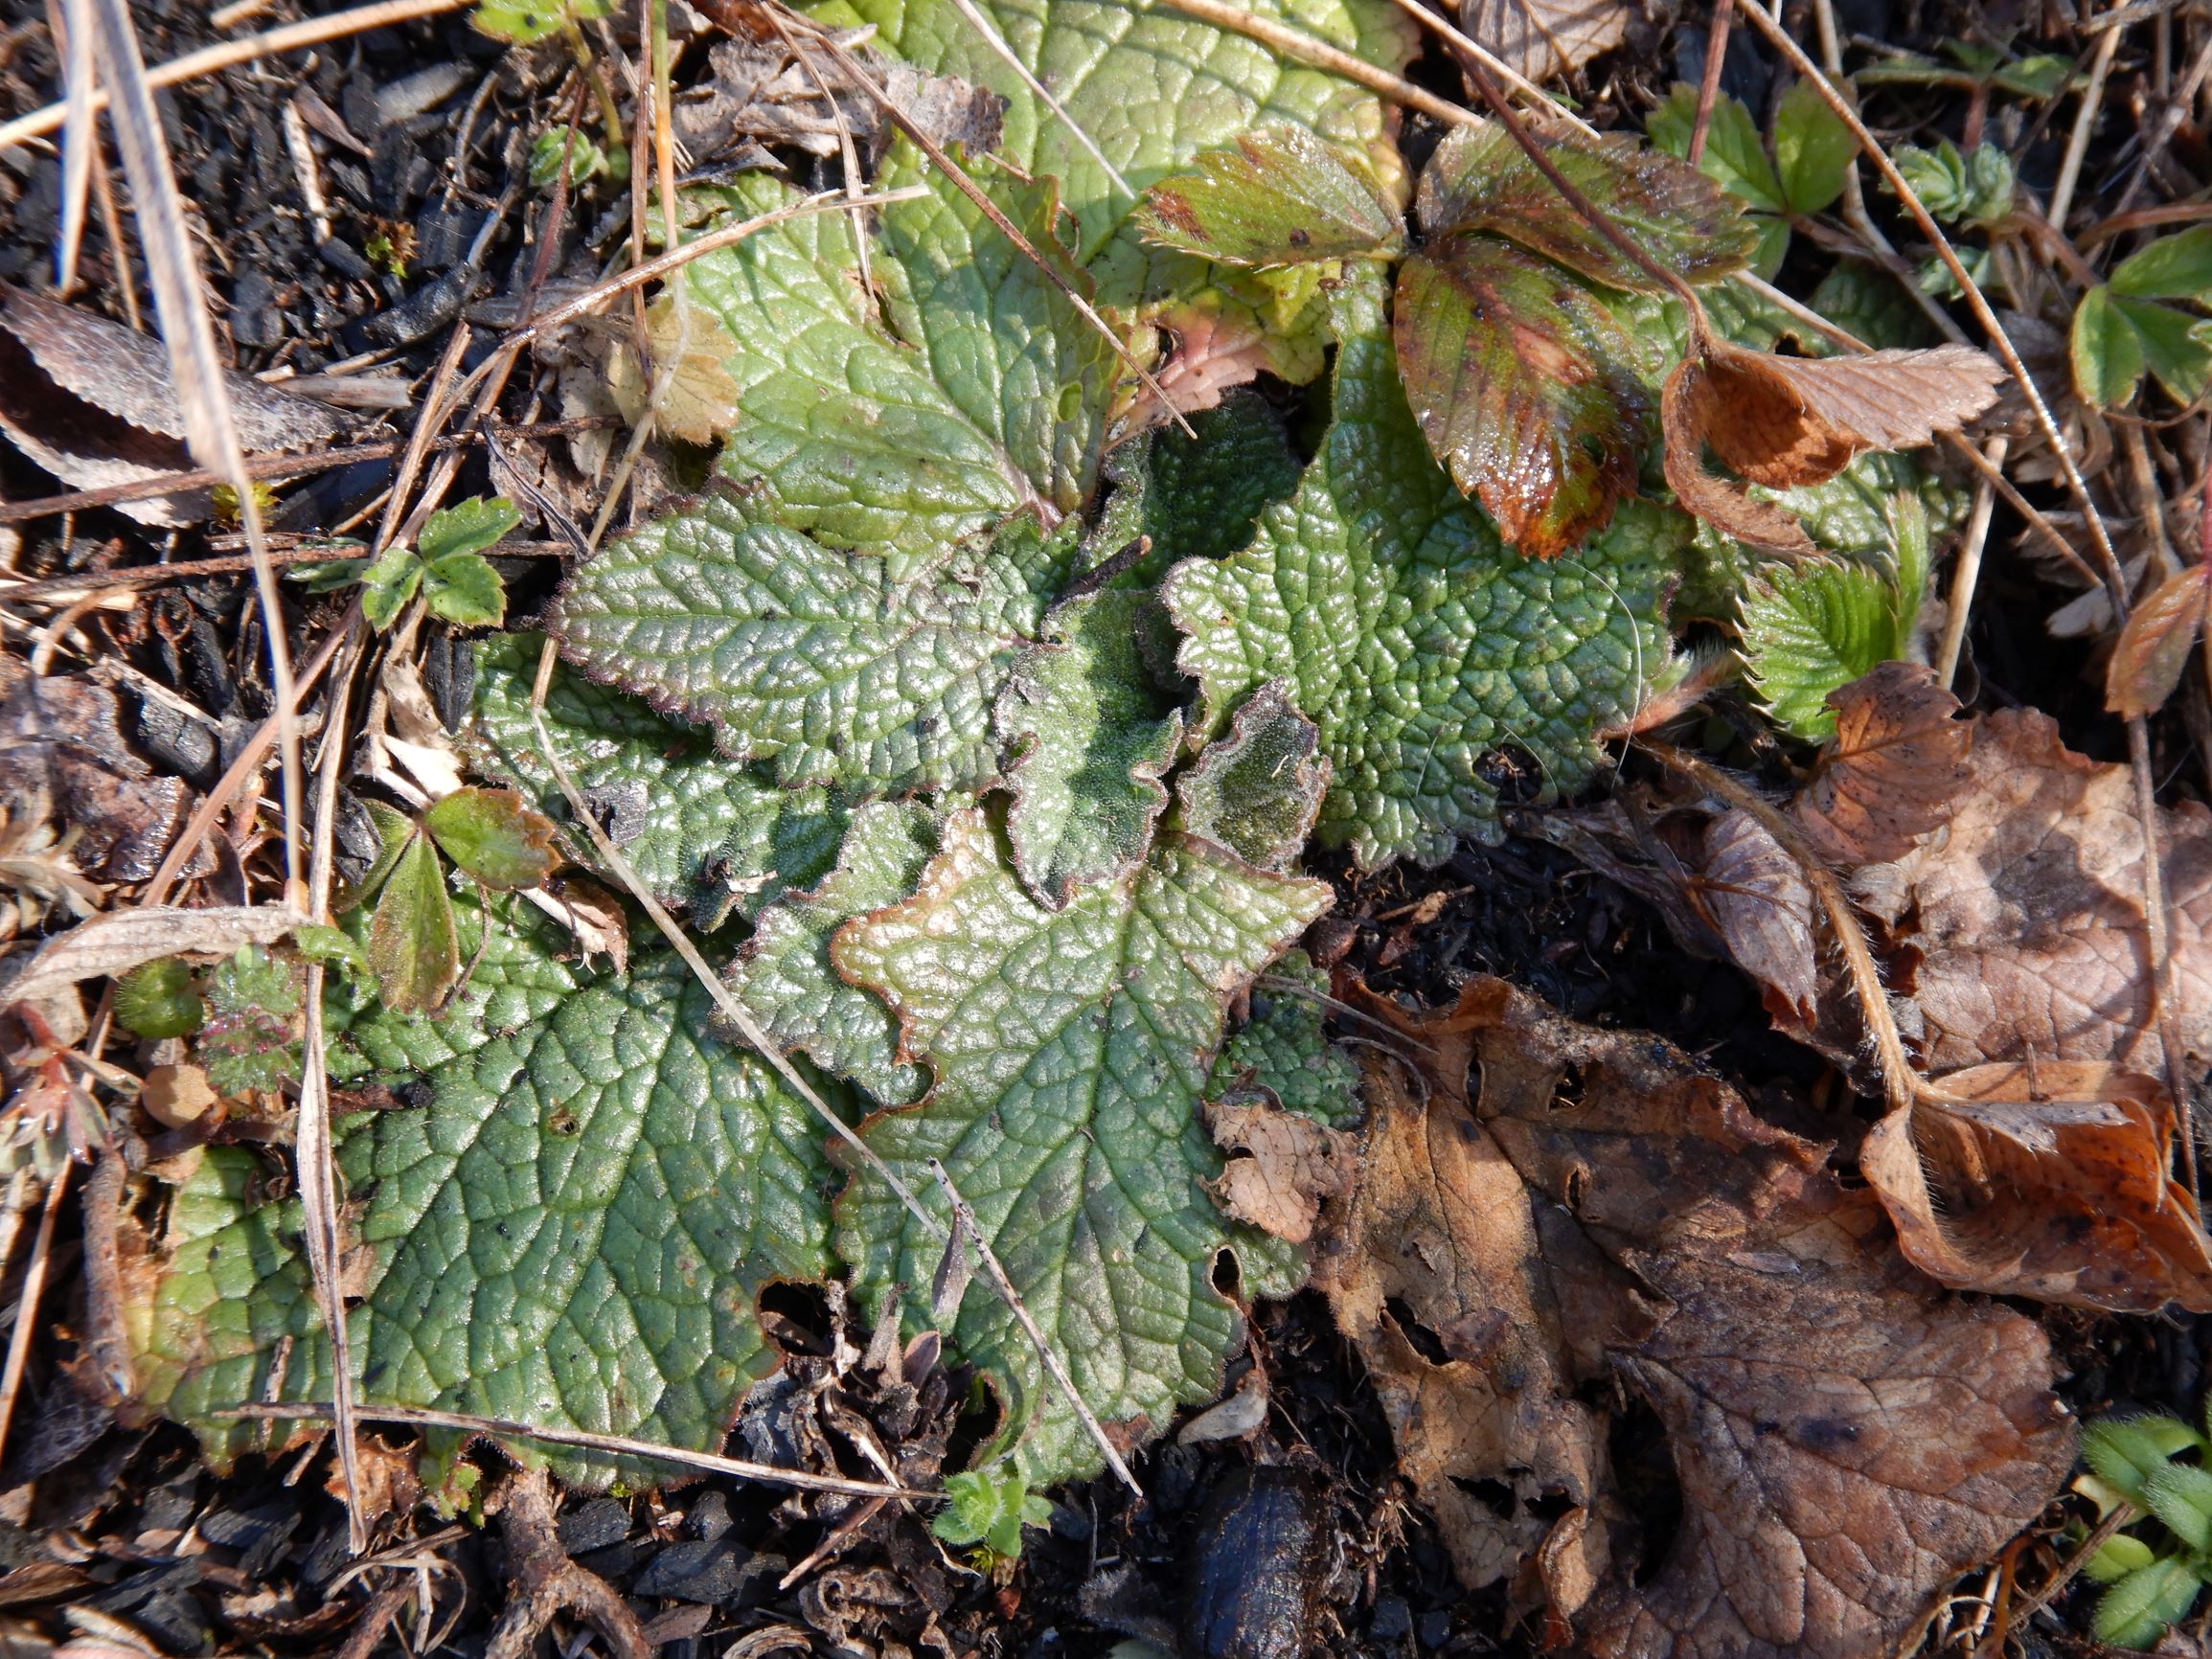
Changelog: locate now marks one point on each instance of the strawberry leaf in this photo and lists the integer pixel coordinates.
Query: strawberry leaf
(1280, 197)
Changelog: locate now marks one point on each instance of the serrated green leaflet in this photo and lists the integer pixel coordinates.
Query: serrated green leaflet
(1069, 1049)
(1279, 197)
(2106, 352)
(982, 393)
(1285, 1049)
(704, 833)
(1734, 158)
(818, 662)
(1258, 789)
(785, 975)
(1152, 89)
(1088, 736)
(571, 1234)
(1412, 639)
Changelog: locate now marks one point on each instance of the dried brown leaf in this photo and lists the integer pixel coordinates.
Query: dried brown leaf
(2048, 1181)
(62, 754)
(121, 940)
(1889, 775)
(2027, 915)
(1847, 1435)
(1761, 907)
(1784, 421)
(2153, 648)
(1546, 37)
(1282, 1167)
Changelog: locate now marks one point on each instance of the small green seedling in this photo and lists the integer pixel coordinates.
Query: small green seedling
(414, 945)
(159, 999)
(446, 566)
(987, 1509)
(1974, 188)
(2152, 1463)
(2121, 329)
(248, 1041)
(586, 160)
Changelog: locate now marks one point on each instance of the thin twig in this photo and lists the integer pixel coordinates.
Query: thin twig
(232, 53)
(27, 1299)
(611, 1445)
(997, 42)
(2085, 120)
(1966, 570)
(2122, 1513)
(1709, 83)
(1467, 47)
(1320, 54)
(964, 1218)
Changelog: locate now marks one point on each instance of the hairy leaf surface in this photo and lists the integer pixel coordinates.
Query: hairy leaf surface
(1070, 1050)
(1415, 643)
(816, 660)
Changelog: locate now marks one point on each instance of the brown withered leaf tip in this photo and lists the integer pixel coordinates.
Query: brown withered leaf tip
(2155, 644)
(1281, 1168)
(2047, 1181)
(2026, 915)
(1848, 1436)
(1788, 422)
(1889, 774)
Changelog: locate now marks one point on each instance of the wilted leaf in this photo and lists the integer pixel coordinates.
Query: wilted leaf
(2027, 915)
(1282, 1167)
(822, 663)
(705, 833)
(1069, 1049)
(1377, 551)
(1258, 790)
(571, 1232)
(413, 947)
(786, 978)
(979, 393)
(1542, 39)
(1893, 770)
(1813, 150)
(1524, 387)
(697, 399)
(2154, 649)
(1480, 179)
(115, 943)
(1847, 1437)
(1761, 907)
(2047, 1180)
(64, 758)
(492, 835)
(1281, 198)
(1087, 736)
(2107, 354)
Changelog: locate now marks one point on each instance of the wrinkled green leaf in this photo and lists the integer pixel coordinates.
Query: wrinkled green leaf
(1524, 387)
(1865, 300)
(388, 585)
(2137, 1610)
(1196, 498)
(1480, 179)
(2173, 267)
(1069, 1049)
(1414, 642)
(463, 588)
(1734, 158)
(1088, 736)
(705, 833)
(2107, 354)
(1152, 89)
(1258, 789)
(468, 525)
(1811, 628)
(1813, 150)
(413, 947)
(980, 393)
(818, 662)
(1280, 197)
(249, 1040)
(492, 835)
(1285, 1049)
(785, 976)
(571, 1234)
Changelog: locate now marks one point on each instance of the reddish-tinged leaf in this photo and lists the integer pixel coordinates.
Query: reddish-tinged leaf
(1892, 770)
(494, 836)
(1523, 387)
(2155, 646)
(1481, 179)
(2048, 1181)
(1684, 413)
(1281, 198)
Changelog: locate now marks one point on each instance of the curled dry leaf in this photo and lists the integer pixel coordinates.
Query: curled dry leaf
(1784, 421)
(116, 943)
(1282, 1167)
(1761, 905)
(2047, 1181)
(1847, 1435)
(2027, 915)
(1546, 37)
(1890, 773)
(2154, 649)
